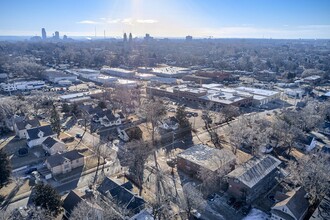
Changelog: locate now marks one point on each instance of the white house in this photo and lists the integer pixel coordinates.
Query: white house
(35, 136)
(21, 127)
(107, 118)
(170, 123)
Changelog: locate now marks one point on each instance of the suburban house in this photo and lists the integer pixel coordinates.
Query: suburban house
(107, 118)
(322, 211)
(64, 163)
(10, 122)
(170, 123)
(74, 198)
(53, 146)
(35, 136)
(256, 176)
(121, 194)
(130, 133)
(201, 158)
(21, 127)
(291, 206)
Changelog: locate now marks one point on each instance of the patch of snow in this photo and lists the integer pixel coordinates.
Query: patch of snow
(256, 214)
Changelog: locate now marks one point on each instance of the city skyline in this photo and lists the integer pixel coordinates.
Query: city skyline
(219, 19)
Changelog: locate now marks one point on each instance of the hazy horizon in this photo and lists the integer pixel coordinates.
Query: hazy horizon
(259, 19)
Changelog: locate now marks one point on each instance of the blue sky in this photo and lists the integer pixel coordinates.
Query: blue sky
(168, 18)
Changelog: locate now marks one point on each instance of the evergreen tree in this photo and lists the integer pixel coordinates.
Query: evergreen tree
(184, 125)
(55, 121)
(66, 108)
(181, 116)
(5, 168)
(48, 198)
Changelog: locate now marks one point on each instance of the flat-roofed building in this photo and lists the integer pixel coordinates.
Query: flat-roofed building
(219, 99)
(23, 85)
(56, 76)
(197, 79)
(201, 158)
(118, 72)
(261, 96)
(171, 71)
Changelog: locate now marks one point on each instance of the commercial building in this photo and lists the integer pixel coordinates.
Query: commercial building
(24, 85)
(260, 96)
(118, 72)
(207, 96)
(201, 158)
(215, 75)
(43, 34)
(126, 83)
(58, 77)
(197, 79)
(171, 71)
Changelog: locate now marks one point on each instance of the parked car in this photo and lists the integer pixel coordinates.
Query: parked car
(195, 213)
(29, 171)
(78, 135)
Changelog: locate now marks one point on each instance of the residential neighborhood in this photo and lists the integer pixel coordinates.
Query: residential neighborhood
(145, 126)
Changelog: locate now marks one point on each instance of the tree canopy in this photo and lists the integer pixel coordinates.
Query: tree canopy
(48, 198)
(5, 168)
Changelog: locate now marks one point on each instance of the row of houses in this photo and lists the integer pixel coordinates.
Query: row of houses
(107, 193)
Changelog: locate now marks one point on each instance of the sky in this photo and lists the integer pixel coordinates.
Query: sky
(287, 19)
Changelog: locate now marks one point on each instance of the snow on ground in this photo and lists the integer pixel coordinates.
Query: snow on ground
(256, 214)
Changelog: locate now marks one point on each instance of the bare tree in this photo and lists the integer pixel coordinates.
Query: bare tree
(137, 154)
(311, 172)
(192, 199)
(93, 209)
(153, 111)
(229, 112)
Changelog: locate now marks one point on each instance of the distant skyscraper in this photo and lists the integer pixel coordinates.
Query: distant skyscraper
(189, 38)
(65, 37)
(43, 33)
(125, 37)
(130, 38)
(148, 37)
(57, 35)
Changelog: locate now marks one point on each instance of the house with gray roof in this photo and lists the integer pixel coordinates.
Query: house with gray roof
(74, 198)
(201, 158)
(53, 146)
(251, 179)
(65, 162)
(35, 136)
(121, 194)
(292, 206)
(21, 127)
